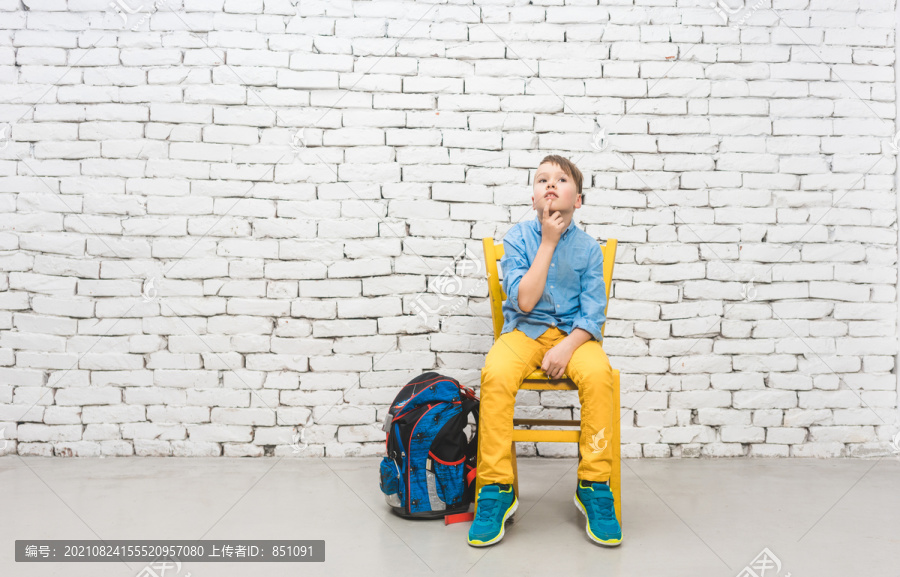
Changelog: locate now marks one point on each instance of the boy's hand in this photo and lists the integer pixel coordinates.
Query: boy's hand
(556, 360)
(552, 225)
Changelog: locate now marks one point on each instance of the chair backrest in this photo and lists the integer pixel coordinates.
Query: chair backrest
(494, 252)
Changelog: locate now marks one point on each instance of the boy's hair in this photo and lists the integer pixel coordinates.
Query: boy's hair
(569, 168)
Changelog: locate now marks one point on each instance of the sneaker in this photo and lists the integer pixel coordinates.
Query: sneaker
(496, 504)
(596, 503)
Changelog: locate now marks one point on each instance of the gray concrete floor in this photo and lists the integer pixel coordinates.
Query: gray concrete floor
(690, 517)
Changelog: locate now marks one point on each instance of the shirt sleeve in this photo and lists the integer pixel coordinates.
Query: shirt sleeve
(593, 296)
(514, 265)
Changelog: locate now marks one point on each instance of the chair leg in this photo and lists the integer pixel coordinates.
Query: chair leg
(478, 482)
(515, 469)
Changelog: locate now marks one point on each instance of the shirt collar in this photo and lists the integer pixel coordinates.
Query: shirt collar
(537, 225)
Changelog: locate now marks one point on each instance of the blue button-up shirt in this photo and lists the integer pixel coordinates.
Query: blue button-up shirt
(574, 293)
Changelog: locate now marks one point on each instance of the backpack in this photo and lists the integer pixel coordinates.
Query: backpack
(429, 468)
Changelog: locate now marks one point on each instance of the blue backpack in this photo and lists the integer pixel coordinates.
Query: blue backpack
(429, 470)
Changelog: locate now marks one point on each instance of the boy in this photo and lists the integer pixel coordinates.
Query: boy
(553, 279)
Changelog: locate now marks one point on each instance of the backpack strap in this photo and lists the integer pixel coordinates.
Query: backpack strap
(470, 405)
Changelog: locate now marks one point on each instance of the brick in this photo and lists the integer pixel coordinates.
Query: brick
(219, 433)
(113, 414)
(89, 396)
(344, 415)
(259, 417)
(160, 414)
(33, 432)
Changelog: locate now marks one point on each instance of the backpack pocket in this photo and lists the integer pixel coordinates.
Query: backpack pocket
(390, 482)
(450, 477)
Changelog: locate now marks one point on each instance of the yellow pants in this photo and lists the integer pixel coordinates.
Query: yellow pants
(513, 357)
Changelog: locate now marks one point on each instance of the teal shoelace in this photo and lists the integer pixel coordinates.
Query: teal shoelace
(600, 507)
(486, 509)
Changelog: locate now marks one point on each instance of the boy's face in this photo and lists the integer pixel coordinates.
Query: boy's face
(553, 185)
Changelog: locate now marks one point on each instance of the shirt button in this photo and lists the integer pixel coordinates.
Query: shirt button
(551, 264)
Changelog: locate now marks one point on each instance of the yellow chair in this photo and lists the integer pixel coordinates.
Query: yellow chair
(538, 381)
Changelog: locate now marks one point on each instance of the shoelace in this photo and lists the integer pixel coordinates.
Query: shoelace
(600, 506)
(486, 509)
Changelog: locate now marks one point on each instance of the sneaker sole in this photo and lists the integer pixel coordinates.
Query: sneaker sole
(587, 528)
(507, 515)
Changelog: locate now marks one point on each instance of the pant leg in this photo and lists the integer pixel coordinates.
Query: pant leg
(512, 358)
(589, 368)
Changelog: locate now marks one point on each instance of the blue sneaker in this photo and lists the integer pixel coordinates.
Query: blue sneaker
(496, 504)
(596, 503)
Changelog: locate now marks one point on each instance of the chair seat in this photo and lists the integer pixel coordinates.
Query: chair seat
(540, 375)
(539, 381)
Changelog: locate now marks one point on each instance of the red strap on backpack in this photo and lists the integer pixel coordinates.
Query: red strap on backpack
(458, 518)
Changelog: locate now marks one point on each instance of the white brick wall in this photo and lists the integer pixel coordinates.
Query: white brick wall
(222, 219)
